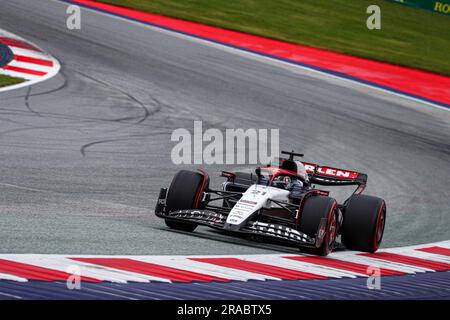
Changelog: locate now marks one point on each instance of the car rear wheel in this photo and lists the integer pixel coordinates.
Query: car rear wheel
(364, 221)
(184, 193)
(315, 209)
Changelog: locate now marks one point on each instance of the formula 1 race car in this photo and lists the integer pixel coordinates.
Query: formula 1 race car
(279, 203)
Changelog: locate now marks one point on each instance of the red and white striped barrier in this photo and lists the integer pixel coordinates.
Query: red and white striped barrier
(123, 269)
(29, 61)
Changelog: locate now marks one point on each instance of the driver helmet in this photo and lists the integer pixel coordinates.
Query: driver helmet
(287, 181)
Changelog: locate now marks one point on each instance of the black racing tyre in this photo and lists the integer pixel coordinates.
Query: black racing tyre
(364, 221)
(314, 209)
(183, 193)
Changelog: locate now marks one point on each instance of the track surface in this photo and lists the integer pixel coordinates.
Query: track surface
(84, 154)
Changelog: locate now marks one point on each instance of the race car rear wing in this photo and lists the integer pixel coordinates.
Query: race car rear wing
(329, 176)
(324, 175)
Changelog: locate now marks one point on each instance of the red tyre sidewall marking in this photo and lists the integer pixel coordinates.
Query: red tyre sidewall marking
(376, 242)
(200, 191)
(327, 232)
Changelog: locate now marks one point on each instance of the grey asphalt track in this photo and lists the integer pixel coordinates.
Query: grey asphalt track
(83, 155)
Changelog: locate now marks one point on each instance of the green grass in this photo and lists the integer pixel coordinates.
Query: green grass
(409, 36)
(7, 81)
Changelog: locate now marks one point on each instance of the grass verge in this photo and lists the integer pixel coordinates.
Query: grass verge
(7, 80)
(410, 37)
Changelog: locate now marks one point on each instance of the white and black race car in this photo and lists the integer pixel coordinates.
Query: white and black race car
(280, 203)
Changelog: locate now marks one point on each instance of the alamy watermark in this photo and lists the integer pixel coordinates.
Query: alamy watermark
(374, 279)
(74, 280)
(73, 21)
(235, 146)
(373, 22)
